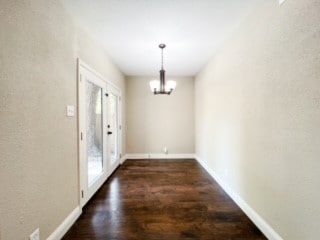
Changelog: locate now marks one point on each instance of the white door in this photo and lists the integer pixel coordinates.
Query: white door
(113, 127)
(93, 133)
(99, 105)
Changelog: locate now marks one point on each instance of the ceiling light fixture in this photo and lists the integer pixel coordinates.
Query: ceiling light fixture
(161, 87)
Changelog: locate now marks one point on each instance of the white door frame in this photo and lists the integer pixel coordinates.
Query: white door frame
(84, 194)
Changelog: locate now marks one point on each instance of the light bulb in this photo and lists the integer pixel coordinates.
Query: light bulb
(155, 85)
(170, 85)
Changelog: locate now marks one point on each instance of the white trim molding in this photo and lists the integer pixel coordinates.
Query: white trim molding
(267, 230)
(122, 159)
(65, 225)
(159, 156)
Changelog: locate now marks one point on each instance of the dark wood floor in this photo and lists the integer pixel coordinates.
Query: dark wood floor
(162, 200)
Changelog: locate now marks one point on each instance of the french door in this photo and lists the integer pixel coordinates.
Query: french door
(99, 134)
(114, 127)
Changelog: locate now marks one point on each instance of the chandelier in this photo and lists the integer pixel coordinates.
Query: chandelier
(162, 87)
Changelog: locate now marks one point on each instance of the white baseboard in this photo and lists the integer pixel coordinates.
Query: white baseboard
(65, 225)
(159, 156)
(267, 230)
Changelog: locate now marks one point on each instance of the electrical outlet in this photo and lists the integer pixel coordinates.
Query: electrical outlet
(70, 110)
(165, 150)
(35, 235)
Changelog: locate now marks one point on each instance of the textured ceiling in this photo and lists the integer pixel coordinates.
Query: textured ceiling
(130, 31)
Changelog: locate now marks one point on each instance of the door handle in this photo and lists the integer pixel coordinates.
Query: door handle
(109, 132)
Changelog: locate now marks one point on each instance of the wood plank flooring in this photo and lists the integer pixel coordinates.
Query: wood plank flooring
(162, 200)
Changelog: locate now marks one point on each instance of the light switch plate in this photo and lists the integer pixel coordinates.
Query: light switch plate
(70, 111)
(35, 235)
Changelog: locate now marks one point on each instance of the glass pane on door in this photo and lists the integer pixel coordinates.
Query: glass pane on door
(113, 127)
(94, 131)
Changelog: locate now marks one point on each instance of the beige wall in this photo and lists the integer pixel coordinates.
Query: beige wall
(258, 113)
(39, 46)
(155, 122)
